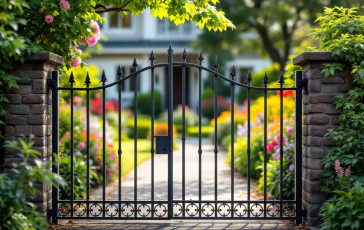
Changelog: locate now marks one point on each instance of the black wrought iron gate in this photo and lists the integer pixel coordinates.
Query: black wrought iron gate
(172, 208)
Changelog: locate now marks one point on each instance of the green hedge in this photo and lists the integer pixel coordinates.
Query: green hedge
(194, 131)
(145, 103)
(143, 127)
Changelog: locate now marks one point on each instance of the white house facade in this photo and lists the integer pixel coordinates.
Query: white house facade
(137, 36)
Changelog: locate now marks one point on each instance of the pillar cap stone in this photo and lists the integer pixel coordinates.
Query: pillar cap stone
(315, 56)
(46, 57)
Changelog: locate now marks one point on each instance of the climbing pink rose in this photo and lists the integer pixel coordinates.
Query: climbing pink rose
(64, 4)
(289, 131)
(84, 41)
(96, 27)
(41, 10)
(76, 62)
(92, 40)
(48, 19)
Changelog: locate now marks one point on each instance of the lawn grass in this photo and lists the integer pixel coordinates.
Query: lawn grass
(127, 158)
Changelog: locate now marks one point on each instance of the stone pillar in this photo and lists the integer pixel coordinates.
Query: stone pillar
(320, 115)
(30, 111)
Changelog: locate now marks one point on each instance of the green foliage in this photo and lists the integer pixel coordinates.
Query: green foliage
(344, 210)
(341, 31)
(143, 127)
(194, 131)
(15, 210)
(207, 94)
(145, 103)
(191, 118)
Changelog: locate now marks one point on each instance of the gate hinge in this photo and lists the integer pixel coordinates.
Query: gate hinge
(51, 213)
(51, 83)
(303, 84)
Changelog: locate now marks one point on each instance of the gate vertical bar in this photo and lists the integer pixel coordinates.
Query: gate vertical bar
(55, 143)
(298, 166)
(152, 58)
(170, 131)
(71, 81)
(119, 76)
(135, 64)
(103, 80)
(265, 82)
(184, 56)
(88, 82)
(216, 69)
(249, 79)
(281, 82)
(232, 74)
(200, 58)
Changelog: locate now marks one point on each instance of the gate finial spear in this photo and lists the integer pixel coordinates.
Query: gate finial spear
(87, 80)
(152, 58)
(184, 55)
(103, 78)
(265, 80)
(119, 73)
(135, 64)
(200, 58)
(216, 65)
(249, 78)
(72, 79)
(233, 73)
(281, 79)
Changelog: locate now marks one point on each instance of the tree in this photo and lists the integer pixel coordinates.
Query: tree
(275, 22)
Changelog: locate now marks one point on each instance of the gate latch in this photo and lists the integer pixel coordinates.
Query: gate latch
(162, 145)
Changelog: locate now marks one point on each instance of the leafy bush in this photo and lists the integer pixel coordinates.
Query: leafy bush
(208, 105)
(191, 118)
(341, 31)
(207, 94)
(79, 139)
(143, 127)
(194, 131)
(345, 210)
(145, 103)
(161, 129)
(15, 210)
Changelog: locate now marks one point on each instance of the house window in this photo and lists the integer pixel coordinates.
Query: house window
(165, 26)
(116, 20)
(243, 74)
(128, 85)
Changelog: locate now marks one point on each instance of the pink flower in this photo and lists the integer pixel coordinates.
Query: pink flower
(79, 51)
(98, 167)
(112, 155)
(270, 147)
(41, 10)
(108, 169)
(276, 155)
(93, 39)
(109, 175)
(67, 134)
(96, 27)
(76, 62)
(48, 19)
(77, 99)
(64, 4)
(347, 171)
(289, 131)
(291, 167)
(82, 145)
(338, 169)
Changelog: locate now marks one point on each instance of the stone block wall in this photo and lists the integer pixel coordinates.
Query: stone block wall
(320, 115)
(29, 112)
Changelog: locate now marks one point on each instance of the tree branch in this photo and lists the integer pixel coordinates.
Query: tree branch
(116, 9)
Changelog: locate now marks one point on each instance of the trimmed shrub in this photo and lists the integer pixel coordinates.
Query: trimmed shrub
(143, 127)
(145, 103)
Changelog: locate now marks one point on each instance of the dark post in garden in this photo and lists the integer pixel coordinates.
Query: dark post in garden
(320, 115)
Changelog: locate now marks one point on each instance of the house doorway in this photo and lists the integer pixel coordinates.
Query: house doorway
(177, 87)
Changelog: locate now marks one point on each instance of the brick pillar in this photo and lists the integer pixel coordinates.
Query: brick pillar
(30, 111)
(320, 114)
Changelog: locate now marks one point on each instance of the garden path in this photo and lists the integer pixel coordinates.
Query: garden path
(161, 174)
